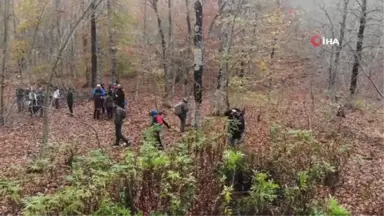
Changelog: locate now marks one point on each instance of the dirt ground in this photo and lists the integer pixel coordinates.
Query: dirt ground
(362, 178)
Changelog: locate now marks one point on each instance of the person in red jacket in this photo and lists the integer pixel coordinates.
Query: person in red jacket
(158, 120)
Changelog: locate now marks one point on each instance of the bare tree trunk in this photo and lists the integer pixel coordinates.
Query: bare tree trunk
(189, 55)
(277, 29)
(145, 42)
(94, 47)
(331, 70)
(338, 51)
(243, 56)
(168, 87)
(72, 54)
(359, 48)
(72, 57)
(100, 67)
(221, 103)
(198, 70)
(4, 61)
(172, 69)
(111, 41)
(86, 61)
(58, 26)
(94, 4)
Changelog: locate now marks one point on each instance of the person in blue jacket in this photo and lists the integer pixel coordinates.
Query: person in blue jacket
(98, 93)
(98, 90)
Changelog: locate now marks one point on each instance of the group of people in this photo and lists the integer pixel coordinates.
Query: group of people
(236, 123)
(33, 99)
(105, 101)
(112, 101)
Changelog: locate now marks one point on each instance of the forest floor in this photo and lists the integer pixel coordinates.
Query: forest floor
(362, 183)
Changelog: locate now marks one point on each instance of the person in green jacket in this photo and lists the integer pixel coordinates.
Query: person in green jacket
(119, 117)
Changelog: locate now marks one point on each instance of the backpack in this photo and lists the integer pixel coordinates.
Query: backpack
(109, 101)
(159, 119)
(177, 109)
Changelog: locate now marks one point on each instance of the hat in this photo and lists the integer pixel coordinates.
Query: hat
(153, 113)
(98, 85)
(185, 100)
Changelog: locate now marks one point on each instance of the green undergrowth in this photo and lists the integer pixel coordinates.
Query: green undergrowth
(199, 175)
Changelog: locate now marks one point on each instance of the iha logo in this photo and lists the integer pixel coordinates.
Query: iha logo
(317, 40)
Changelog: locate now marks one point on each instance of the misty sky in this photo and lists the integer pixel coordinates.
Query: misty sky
(309, 5)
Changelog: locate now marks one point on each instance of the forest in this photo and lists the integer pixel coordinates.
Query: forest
(312, 116)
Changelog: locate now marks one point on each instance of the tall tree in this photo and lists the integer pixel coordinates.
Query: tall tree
(93, 45)
(167, 74)
(4, 59)
(190, 39)
(198, 70)
(274, 43)
(228, 12)
(334, 72)
(111, 41)
(92, 7)
(172, 73)
(359, 48)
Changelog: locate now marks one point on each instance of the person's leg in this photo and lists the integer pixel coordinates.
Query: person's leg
(41, 108)
(70, 106)
(124, 138)
(30, 109)
(57, 103)
(182, 123)
(94, 113)
(110, 112)
(102, 107)
(117, 134)
(19, 105)
(98, 113)
(230, 139)
(158, 139)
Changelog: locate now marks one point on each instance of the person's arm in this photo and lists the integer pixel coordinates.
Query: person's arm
(186, 107)
(227, 113)
(123, 114)
(166, 124)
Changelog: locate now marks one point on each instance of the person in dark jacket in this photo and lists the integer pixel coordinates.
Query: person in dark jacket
(120, 96)
(97, 94)
(181, 111)
(157, 122)
(70, 100)
(119, 117)
(236, 125)
(108, 104)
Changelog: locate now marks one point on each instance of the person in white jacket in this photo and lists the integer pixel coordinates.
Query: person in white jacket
(56, 98)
